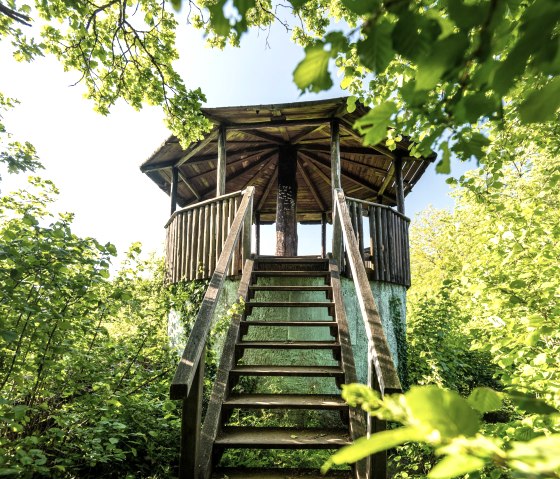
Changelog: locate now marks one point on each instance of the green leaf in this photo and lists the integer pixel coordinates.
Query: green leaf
(361, 7)
(312, 73)
(541, 105)
(444, 56)
(466, 148)
(442, 410)
(467, 16)
(376, 50)
(455, 465)
(8, 336)
(485, 399)
(297, 4)
(529, 403)
(373, 125)
(364, 447)
(409, 37)
(444, 165)
(351, 104)
(218, 20)
(518, 283)
(471, 108)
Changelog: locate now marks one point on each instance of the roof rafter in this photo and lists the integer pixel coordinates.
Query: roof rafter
(311, 186)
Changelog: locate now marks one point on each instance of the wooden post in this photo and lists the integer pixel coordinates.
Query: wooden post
(221, 167)
(174, 185)
(399, 184)
(286, 203)
(258, 233)
(190, 424)
(247, 234)
(335, 184)
(324, 234)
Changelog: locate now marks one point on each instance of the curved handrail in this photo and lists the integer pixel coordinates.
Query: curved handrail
(379, 355)
(377, 205)
(190, 360)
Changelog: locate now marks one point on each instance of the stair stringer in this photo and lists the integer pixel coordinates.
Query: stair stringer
(213, 417)
(357, 422)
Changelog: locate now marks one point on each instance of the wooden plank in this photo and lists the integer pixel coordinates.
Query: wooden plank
(190, 423)
(174, 185)
(311, 186)
(194, 244)
(184, 375)
(267, 189)
(297, 371)
(258, 233)
(283, 401)
(247, 234)
(336, 183)
(194, 149)
(188, 245)
(360, 220)
(379, 355)
(203, 203)
(218, 230)
(189, 186)
(388, 179)
(200, 242)
(180, 246)
(212, 249)
(221, 166)
(324, 234)
(399, 184)
(357, 421)
(282, 438)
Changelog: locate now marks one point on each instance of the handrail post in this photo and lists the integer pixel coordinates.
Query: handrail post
(247, 227)
(191, 418)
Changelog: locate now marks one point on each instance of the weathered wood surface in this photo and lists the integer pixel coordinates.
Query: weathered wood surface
(190, 359)
(196, 235)
(357, 417)
(379, 356)
(227, 361)
(386, 236)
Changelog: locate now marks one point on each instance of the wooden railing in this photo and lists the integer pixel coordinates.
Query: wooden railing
(382, 374)
(384, 248)
(188, 382)
(196, 236)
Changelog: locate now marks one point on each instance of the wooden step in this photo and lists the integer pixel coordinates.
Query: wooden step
(290, 259)
(289, 288)
(290, 274)
(285, 401)
(282, 438)
(289, 304)
(288, 345)
(265, 473)
(330, 324)
(302, 371)
(333, 325)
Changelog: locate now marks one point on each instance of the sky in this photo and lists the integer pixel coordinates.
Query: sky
(94, 160)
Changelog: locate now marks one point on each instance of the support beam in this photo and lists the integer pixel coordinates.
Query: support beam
(267, 189)
(189, 186)
(388, 180)
(286, 203)
(336, 184)
(324, 234)
(221, 167)
(174, 185)
(198, 147)
(258, 233)
(399, 184)
(311, 186)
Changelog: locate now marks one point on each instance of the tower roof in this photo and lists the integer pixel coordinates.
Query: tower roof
(254, 135)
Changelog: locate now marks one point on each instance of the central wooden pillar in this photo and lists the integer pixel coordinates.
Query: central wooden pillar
(286, 203)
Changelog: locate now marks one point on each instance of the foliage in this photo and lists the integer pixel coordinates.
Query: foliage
(122, 50)
(451, 424)
(84, 357)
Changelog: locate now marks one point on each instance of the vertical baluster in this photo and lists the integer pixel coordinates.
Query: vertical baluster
(212, 258)
(199, 242)
(380, 244)
(188, 235)
(360, 219)
(218, 230)
(408, 278)
(180, 239)
(390, 246)
(173, 227)
(206, 241)
(231, 215)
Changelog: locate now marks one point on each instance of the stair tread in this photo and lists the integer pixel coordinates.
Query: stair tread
(292, 401)
(289, 288)
(281, 438)
(289, 344)
(265, 473)
(291, 304)
(291, 323)
(268, 370)
(290, 259)
(291, 273)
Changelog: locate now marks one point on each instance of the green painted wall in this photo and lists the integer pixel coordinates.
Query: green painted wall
(390, 299)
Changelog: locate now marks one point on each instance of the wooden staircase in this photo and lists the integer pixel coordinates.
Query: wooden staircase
(255, 339)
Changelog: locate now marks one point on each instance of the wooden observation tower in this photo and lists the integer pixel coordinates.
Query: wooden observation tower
(309, 324)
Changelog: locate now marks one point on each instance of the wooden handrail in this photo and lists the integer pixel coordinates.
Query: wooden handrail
(186, 370)
(380, 361)
(377, 205)
(203, 203)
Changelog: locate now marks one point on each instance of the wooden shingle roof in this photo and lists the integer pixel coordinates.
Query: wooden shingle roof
(254, 134)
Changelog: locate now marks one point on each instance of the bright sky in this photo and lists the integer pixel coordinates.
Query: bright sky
(94, 160)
